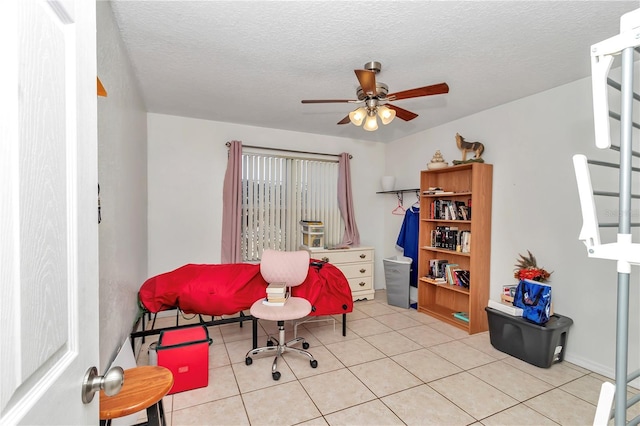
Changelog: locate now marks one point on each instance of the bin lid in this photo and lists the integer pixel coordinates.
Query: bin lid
(398, 259)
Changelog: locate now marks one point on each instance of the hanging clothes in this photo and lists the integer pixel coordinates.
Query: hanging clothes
(408, 240)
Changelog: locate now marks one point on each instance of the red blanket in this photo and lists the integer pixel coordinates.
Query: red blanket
(230, 288)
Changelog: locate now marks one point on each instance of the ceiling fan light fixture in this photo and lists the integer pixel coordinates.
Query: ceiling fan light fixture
(386, 114)
(371, 123)
(357, 116)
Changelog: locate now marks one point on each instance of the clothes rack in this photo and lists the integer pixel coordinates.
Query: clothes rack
(623, 251)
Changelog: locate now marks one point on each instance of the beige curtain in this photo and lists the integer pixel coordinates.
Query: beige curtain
(231, 206)
(345, 202)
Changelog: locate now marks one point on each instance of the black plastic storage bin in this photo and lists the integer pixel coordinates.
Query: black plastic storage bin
(540, 345)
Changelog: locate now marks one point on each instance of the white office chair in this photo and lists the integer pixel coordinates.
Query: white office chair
(290, 268)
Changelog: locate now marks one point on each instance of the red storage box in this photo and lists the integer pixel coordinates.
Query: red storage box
(185, 351)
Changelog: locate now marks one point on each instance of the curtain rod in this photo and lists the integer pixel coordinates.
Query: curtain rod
(228, 144)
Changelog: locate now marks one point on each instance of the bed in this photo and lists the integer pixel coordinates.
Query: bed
(220, 290)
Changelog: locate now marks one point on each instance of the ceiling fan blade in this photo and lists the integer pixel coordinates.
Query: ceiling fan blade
(436, 89)
(326, 101)
(367, 81)
(402, 113)
(344, 120)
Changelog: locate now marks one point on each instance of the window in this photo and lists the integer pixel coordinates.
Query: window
(278, 192)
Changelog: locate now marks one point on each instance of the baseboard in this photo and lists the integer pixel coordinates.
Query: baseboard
(604, 370)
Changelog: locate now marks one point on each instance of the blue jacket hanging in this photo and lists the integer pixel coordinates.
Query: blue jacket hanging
(408, 240)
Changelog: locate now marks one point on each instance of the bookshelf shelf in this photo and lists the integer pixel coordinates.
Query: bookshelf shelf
(471, 185)
(445, 251)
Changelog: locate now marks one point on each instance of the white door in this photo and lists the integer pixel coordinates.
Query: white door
(48, 211)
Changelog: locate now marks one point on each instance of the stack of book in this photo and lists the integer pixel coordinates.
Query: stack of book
(507, 308)
(277, 294)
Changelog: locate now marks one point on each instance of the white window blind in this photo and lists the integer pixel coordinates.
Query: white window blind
(277, 193)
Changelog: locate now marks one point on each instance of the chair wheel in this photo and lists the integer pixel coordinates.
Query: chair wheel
(314, 363)
(305, 345)
(269, 342)
(248, 360)
(276, 375)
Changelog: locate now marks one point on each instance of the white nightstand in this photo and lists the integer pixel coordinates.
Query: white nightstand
(356, 264)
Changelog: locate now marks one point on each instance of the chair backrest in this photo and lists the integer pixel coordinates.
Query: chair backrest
(290, 267)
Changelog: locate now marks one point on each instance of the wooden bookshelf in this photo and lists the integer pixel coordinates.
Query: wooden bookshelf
(470, 183)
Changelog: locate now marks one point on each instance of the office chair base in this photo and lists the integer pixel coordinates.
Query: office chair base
(280, 349)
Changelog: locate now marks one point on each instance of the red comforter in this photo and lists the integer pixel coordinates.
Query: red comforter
(227, 289)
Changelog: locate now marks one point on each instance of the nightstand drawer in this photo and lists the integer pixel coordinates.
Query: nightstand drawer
(347, 256)
(359, 284)
(355, 270)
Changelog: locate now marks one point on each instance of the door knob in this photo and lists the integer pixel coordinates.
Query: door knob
(110, 383)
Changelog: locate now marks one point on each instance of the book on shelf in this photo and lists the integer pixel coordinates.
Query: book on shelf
(448, 273)
(464, 238)
(506, 308)
(463, 316)
(463, 277)
(436, 268)
(436, 190)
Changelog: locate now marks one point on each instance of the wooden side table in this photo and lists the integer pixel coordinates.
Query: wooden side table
(143, 388)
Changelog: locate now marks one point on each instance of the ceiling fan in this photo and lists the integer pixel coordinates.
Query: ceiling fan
(375, 97)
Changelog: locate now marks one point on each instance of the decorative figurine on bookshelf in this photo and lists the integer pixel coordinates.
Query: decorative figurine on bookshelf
(476, 147)
(437, 162)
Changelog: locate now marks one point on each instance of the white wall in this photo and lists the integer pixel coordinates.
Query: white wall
(531, 142)
(187, 163)
(122, 173)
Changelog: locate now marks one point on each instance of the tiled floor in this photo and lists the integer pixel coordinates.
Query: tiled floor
(394, 367)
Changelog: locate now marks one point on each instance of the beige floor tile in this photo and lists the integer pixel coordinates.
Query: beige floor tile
(367, 327)
(392, 343)
(355, 314)
(558, 374)
(327, 334)
(563, 408)
(237, 350)
(423, 406)
(510, 380)
(518, 415)
(301, 366)
(318, 421)
(218, 355)
(425, 335)
(420, 317)
(222, 384)
(355, 351)
(449, 330)
(224, 412)
(258, 374)
(426, 365)
(283, 404)
(384, 376)
(586, 388)
(233, 332)
(473, 395)
(464, 356)
(336, 390)
(375, 309)
(397, 321)
(482, 342)
(370, 413)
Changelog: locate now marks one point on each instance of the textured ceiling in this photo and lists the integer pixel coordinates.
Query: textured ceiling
(252, 62)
